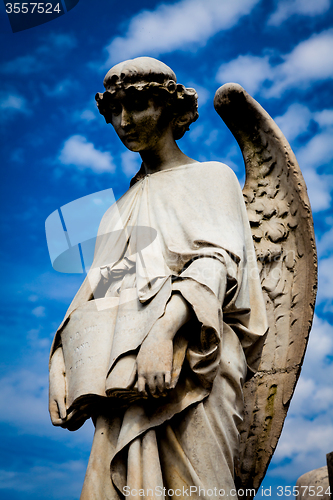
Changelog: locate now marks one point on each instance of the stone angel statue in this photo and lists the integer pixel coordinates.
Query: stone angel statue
(166, 346)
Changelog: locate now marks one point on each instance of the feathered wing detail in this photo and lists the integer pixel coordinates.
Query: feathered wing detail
(282, 228)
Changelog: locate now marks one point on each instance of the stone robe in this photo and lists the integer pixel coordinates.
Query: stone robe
(182, 230)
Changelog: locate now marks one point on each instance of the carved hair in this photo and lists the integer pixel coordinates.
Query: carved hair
(145, 74)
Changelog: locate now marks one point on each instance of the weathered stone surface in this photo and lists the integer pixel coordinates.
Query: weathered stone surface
(314, 484)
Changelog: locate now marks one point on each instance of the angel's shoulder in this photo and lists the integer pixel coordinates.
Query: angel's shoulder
(218, 168)
(219, 173)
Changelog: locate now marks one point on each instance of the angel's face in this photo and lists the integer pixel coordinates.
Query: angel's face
(138, 120)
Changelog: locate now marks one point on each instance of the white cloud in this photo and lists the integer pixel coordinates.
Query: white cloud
(295, 121)
(55, 286)
(59, 480)
(83, 154)
(287, 8)
(179, 26)
(311, 398)
(37, 342)
(87, 115)
(24, 395)
(13, 103)
(305, 443)
(23, 65)
(301, 436)
(60, 41)
(318, 151)
(212, 137)
(317, 366)
(33, 298)
(39, 311)
(325, 245)
(319, 187)
(324, 118)
(197, 131)
(310, 61)
(24, 392)
(248, 71)
(130, 163)
(325, 289)
(52, 46)
(59, 88)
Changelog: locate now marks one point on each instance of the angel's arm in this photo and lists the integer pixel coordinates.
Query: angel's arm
(154, 361)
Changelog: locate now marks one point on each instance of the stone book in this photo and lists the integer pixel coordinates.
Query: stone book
(87, 344)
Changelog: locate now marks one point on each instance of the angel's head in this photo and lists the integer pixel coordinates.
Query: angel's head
(147, 86)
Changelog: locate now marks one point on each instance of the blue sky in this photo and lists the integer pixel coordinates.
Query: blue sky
(57, 148)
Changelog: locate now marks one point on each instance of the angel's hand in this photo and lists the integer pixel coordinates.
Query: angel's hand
(154, 366)
(57, 389)
(154, 361)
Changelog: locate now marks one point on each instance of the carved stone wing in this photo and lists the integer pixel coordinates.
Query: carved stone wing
(282, 229)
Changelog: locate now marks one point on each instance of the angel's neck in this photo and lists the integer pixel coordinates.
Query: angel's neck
(164, 156)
